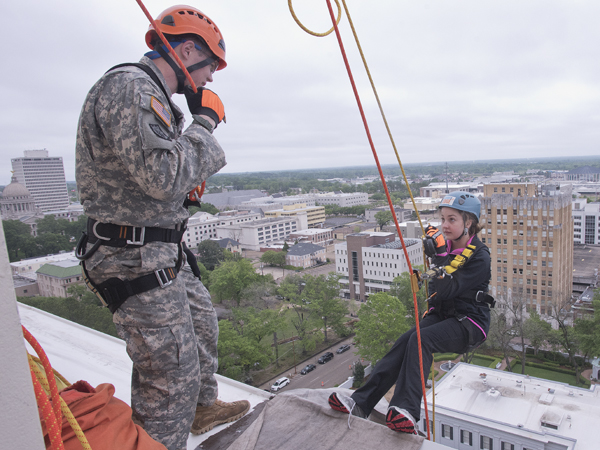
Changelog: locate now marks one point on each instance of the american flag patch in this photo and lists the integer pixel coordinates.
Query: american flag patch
(161, 111)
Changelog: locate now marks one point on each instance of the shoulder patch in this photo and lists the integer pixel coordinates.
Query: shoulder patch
(159, 131)
(162, 112)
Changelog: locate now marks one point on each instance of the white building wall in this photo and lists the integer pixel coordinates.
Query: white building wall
(586, 222)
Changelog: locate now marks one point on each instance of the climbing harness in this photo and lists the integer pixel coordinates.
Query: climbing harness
(114, 291)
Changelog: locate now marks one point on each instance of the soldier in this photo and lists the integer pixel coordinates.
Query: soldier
(135, 166)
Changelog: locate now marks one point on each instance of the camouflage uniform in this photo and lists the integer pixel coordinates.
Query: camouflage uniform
(135, 166)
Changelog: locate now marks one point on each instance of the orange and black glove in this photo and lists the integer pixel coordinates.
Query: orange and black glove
(434, 242)
(205, 103)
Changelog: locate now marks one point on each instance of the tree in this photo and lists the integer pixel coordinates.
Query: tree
(49, 224)
(537, 330)
(19, 242)
(285, 248)
(323, 294)
(229, 279)
(560, 312)
(292, 289)
(402, 290)
(383, 218)
(210, 254)
(515, 307)
(238, 353)
(358, 373)
(273, 258)
(254, 294)
(382, 320)
(587, 331)
(500, 333)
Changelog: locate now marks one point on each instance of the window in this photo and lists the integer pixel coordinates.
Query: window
(466, 437)
(447, 432)
(486, 443)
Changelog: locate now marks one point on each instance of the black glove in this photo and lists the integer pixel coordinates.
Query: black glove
(205, 103)
(434, 242)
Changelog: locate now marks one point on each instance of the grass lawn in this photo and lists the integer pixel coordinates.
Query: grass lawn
(551, 375)
(481, 361)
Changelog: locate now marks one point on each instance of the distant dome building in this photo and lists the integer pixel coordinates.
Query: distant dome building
(17, 203)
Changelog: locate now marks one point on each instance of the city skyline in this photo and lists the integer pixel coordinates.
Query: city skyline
(457, 81)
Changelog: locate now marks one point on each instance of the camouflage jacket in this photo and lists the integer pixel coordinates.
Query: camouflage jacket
(134, 165)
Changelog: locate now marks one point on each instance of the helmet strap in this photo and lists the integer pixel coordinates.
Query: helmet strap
(178, 72)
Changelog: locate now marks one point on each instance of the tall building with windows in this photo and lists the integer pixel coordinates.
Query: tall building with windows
(586, 222)
(369, 262)
(529, 231)
(44, 178)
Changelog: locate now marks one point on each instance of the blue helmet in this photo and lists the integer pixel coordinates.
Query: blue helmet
(462, 201)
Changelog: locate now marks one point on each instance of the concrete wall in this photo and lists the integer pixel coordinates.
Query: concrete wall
(20, 425)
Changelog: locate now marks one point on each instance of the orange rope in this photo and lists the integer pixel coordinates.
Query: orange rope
(391, 204)
(164, 39)
(51, 414)
(48, 369)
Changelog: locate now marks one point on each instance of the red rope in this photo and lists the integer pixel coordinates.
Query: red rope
(51, 414)
(389, 199)
(164, 39)
(48, 369)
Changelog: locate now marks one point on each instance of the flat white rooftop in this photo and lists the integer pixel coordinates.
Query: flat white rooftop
(515, 404)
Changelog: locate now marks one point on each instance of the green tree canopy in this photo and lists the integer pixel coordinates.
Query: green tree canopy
(237, 353)
(273, 258)
(383, 218)
(229, 280)
(382, 320)
(322, 294)
(210, 254)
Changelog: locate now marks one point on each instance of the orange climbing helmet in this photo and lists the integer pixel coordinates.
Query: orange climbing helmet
(181, 19)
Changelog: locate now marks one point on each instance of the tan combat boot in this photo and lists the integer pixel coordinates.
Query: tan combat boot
(207, 417)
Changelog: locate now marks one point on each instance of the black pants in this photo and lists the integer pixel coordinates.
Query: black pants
(401, 364)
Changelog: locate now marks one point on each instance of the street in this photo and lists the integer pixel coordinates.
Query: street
(327, 375)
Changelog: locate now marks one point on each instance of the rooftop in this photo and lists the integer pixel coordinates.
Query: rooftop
(304, 248)
(61, 269)
(398, 243)
(525, 406)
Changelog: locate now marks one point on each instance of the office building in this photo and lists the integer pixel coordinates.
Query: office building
(259, 233)
(314, 215)
(203, 225)
(369, 262)
(586, 222)
(44, 178)
(318, 236)
(54, 278)
(529, 231)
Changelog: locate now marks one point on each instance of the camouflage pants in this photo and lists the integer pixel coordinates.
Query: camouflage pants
(171, 335)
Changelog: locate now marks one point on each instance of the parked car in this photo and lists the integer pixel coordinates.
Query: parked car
(307, 369)
(343, 348)
(280, 384)
(325, 358)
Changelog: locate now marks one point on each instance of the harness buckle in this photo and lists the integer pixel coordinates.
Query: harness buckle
(163, 278)
(142, 235)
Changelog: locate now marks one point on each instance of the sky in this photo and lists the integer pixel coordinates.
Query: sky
(458, 80)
